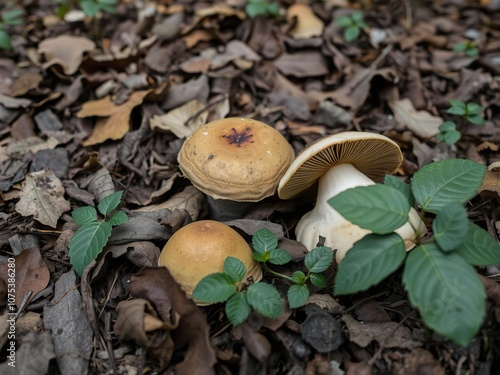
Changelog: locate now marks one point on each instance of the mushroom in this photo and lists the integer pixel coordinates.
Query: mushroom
(339, 162)
(201, 248)
(235, 160)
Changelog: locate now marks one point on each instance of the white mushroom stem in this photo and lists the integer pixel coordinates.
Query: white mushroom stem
(339, 233)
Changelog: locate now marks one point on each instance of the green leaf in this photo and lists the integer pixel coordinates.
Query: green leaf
(401, 186)
(443, 182)
(87, 243)
(265, 299)
(457, 103)
(357, 16)
(344, 21)
(118, 218)
(264, 240)
(261, 257)
(447, 126)
(318, 259)
(4, 39)
(447, 292)
(472, 52)
(473, 109)
(297, 295)
(90, 7)
(379, 208)
(450, 226)
(13, 17)
(111, 9)
(479, 248)
(351, 33)
(450, 137)
(216, 287)
(299, 277)
(279, 257)
(235, 269)
(318, 279)
(109, 203)
(84, 215)
(255, 9)
(237, 308)
(273, 9)
(476, 120)
(460, 47)
(371, 259)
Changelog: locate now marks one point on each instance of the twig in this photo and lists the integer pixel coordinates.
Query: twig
(109, 344)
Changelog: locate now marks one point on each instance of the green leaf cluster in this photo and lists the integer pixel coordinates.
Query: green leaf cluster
(89, 240)
(89, 7)
(353, 24)
(469, 112)
(255, 8)
(439, 274)
(12, 17)
(469, 48)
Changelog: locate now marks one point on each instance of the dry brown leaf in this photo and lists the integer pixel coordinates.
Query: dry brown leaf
(422, 123)
(116, 125)
(197, 36)
(65, 50)
(26, 82)
(31, 144)
(180, 120)
(491, 181)
(302, 64)
(307, 24)
(32, 274)
(42, 196)
(14, 103)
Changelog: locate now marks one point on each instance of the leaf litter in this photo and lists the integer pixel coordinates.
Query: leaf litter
(83, 114)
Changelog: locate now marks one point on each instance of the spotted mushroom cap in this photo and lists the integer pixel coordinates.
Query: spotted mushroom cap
(237, 159)
(372, 154)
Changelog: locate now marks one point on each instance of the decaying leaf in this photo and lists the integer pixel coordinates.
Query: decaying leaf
(183, 120)
(491, 181)
(115, 123)
(31, 144)
(422, 123)
(65, 50)
(307, 25)
(42, 196)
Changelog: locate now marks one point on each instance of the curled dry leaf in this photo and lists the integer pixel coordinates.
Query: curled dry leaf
(65, 50)
(422, 123)
(307, 24)
(42, 196)
(183, 120)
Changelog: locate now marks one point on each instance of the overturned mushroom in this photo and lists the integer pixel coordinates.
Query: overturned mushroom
(339, 162)
(235, 160)
(200, 248)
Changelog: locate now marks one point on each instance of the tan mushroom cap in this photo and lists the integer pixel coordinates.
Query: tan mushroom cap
(200, 248)
(374, 155)
(236, 159)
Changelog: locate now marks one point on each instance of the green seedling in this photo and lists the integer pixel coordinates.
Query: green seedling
(260, 296)
(468, 48)
(89, 240)
(449, 132)
(255, 8)
(439, 273)
(90, 7)
(8, 18)
(353, 24)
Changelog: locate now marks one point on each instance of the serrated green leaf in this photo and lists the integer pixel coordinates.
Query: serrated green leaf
(456, 110)
(450, 226)
(89, 7)
(451, 137)
(447, 292)
(119, 217)
(5, 42)
(401, 186)
(297, 295)
(351, 33)
(476, 120)
(84, 215)
(318, 279)
(344, 21)
(299, 277)
(87, 243)
(216, 287)
(479, 248)
(260, 257)
(371, 259)
(473, 108)
(235, 269)
(379, 208)
(265, 299)
(279, 257)
(457, 103)
(447, 126)
(264, 240)
(443, 182)
(237, 308)
(109, 203)
(255, 9)
(318, 259)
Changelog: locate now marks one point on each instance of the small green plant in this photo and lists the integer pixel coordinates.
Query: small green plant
(439, 273)
(262, 297)
(89, 7)
(469, 113)
(469, 48)
(262, 7)
(89, 240)
(353, 24)
(8, 18)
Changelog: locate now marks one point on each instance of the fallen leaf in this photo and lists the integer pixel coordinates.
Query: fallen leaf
(420, 361)
(302, 64)
(31, 144)
(13, 103)
(491, 181)
(307, 24)
(422, 123)
(42, 196)
(322, 331)
(117, 117)
(180, 120)
(65, 50)
(26, 82)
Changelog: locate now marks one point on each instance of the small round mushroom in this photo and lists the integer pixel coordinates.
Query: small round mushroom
(235, 160)
(201, 248)
(340, 162)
